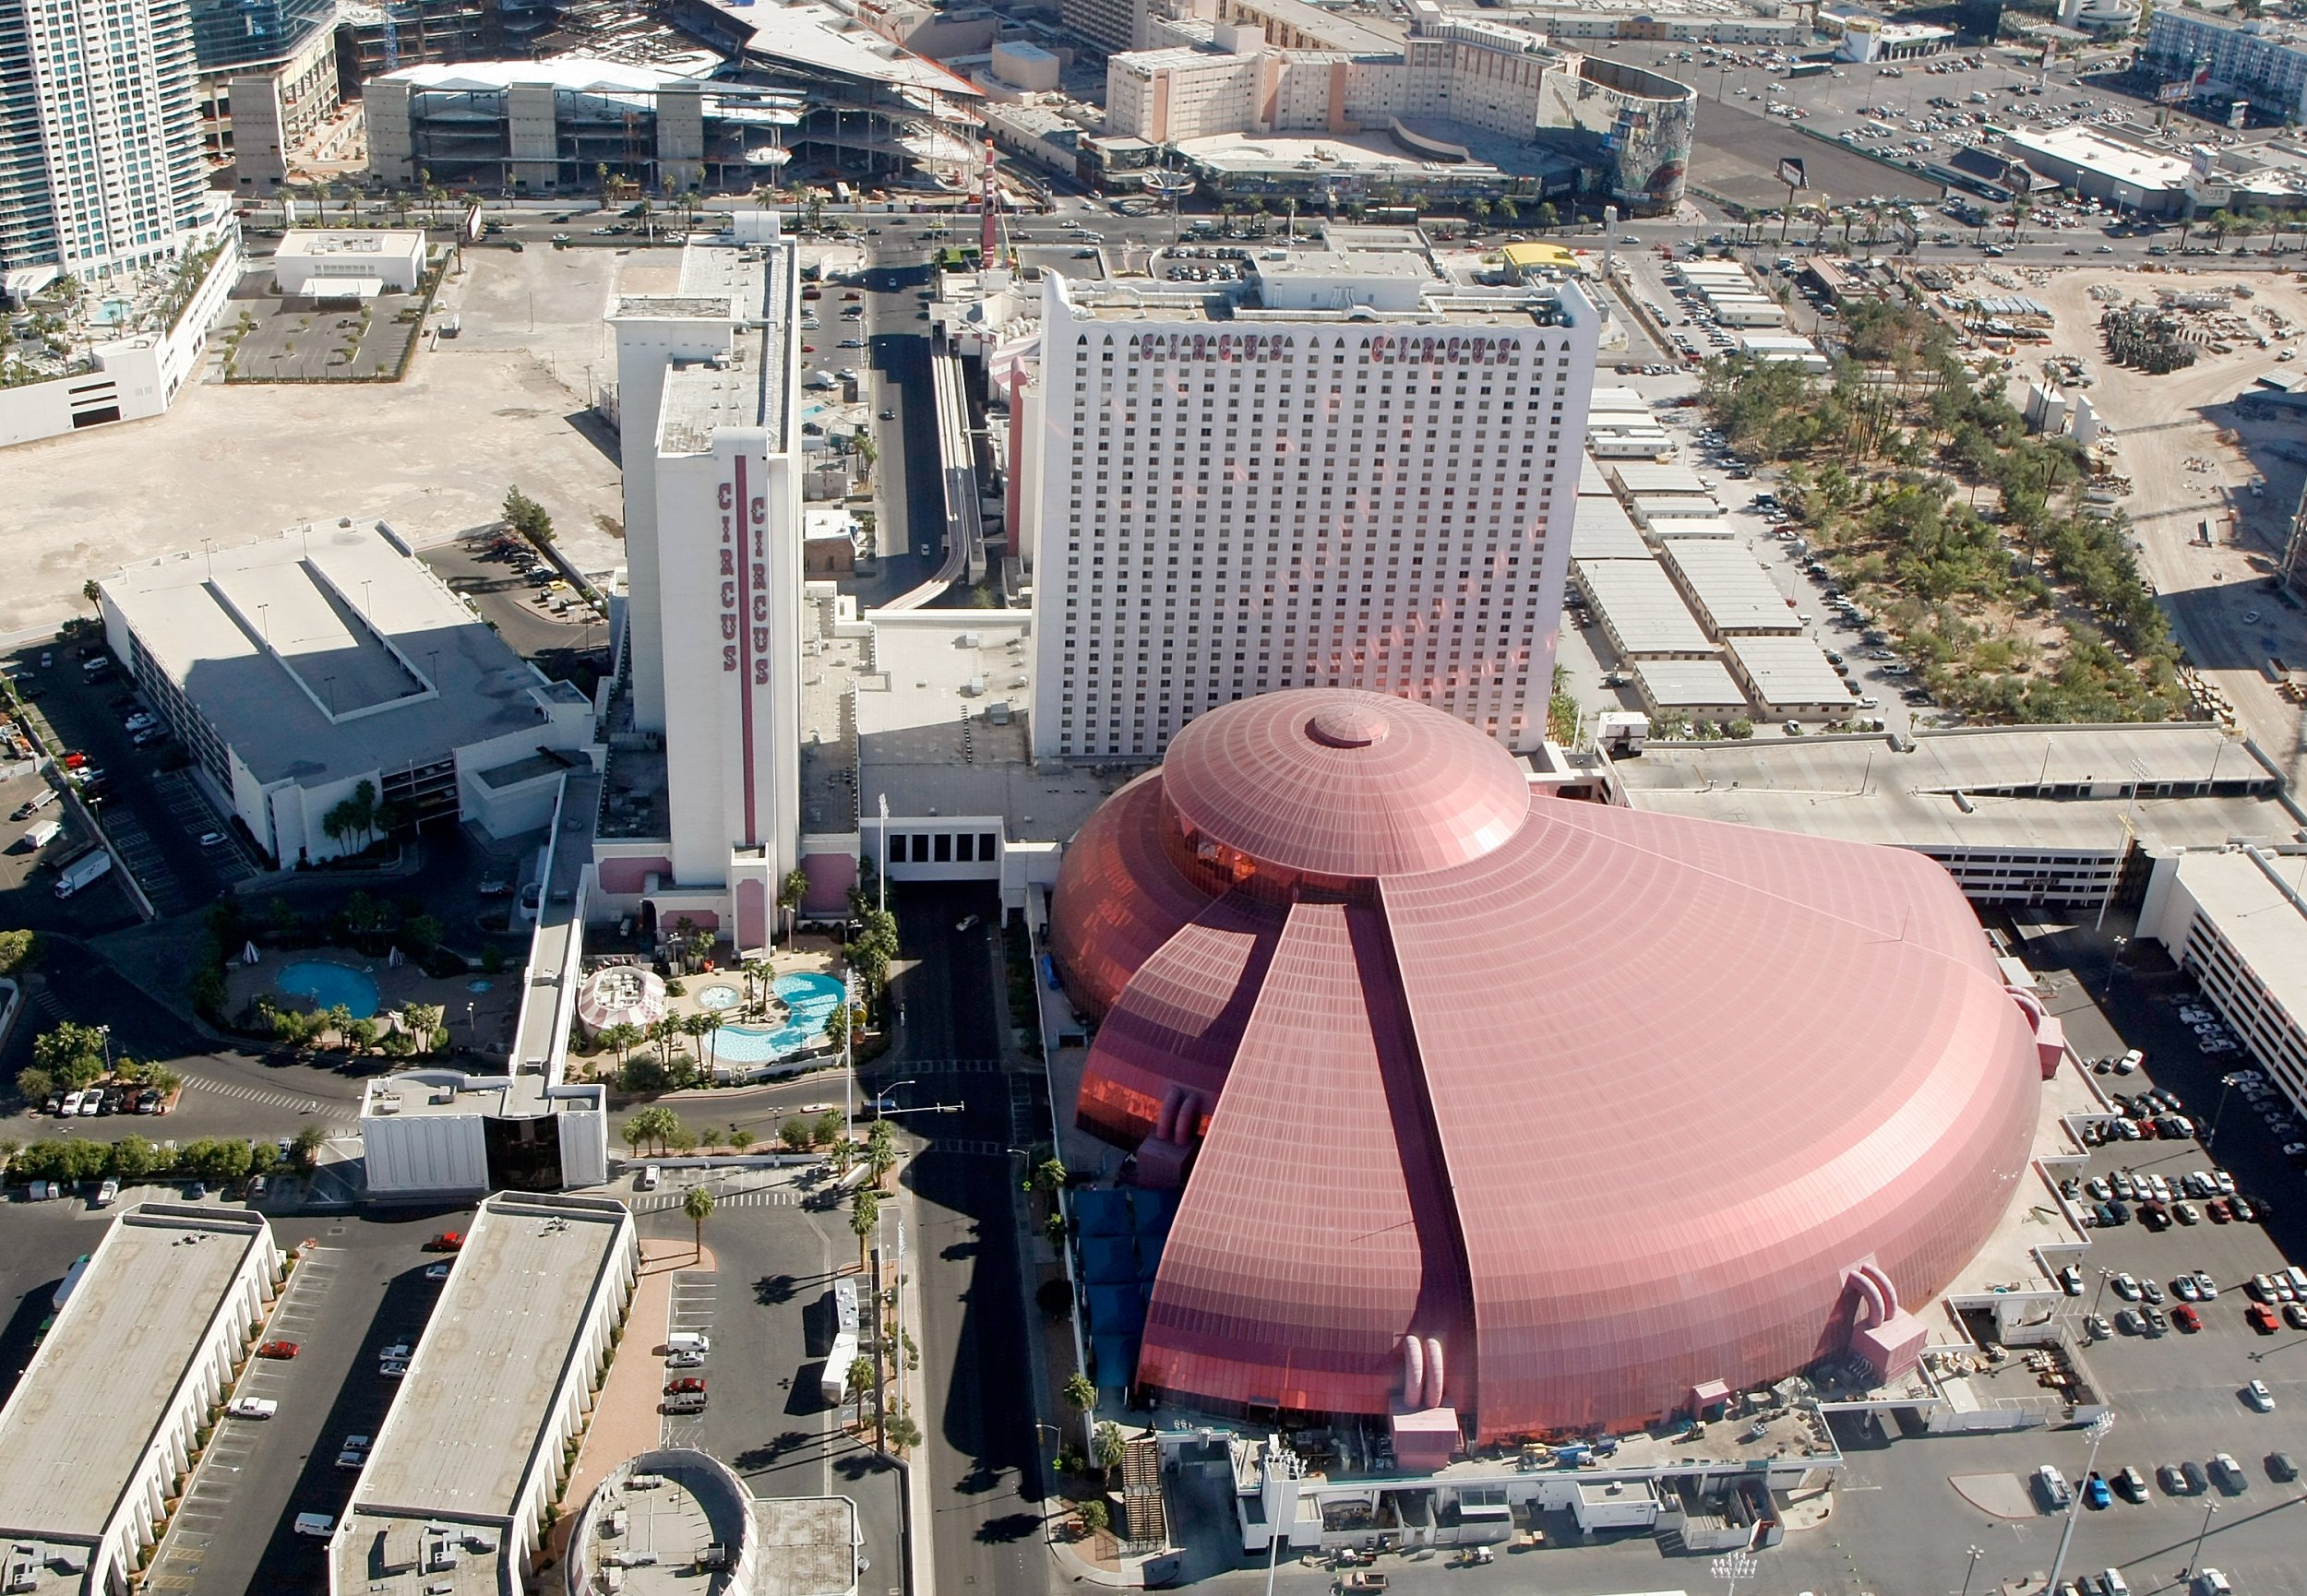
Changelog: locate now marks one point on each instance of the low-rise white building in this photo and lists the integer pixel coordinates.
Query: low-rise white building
(324, 263)
(2235, 919)
(455, 1489)
(103, 1422)
(297, 668)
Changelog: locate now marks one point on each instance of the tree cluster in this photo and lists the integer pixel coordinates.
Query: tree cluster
(527, 518)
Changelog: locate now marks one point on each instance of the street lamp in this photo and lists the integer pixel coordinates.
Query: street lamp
(2226, 1084)
(2194, 1559)
(2098, 1432)
(2105, 1274)
(1976, 1553)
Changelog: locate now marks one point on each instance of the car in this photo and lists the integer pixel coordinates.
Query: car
(212, 840)
(2052, 1485)
(2094, 1493)
(648, 1179)
(966, 922)
(2259, 1397)
(2185, 1289)
(2127, 1287)
(888, 415)
(2099, 1328)
(2131, 1484)
(2261, 1318)
(2281, 1468)
(352, 1453)
(438, 1271)
(2186, 1213)
(278, 1350)
(252, 1408)
(2295, 1315)
(108, 1193)
(2205, 1287)
(853, 343)
(2151, 1290)
(2157, 1320)
(2186, 1318)
(393, 1371)
(2071, 1280)
(197, 1190)
(685, 1359)
(2130, 1323)
(686, 1383)
(446, 1242)
(2173, 1478)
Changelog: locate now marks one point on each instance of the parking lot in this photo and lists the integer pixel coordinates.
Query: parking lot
(143, 795)
(274, 340)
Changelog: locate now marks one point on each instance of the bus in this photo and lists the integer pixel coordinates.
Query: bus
(1810, 70)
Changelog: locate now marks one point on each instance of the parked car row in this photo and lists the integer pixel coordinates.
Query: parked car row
(95, 1101)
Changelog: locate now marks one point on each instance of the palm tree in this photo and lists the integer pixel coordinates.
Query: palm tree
(790, 892)
(711, 1030)
(698, 1205)
(635, 1133)
(881, 1150)
(621, 1036)
(865, 1212)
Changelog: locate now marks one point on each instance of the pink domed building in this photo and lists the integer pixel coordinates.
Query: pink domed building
(1505, 1115)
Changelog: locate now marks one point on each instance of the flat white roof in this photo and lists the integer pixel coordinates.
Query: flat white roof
(1789, 671)
(373, 244)
(1638, 600)
(1731, 589)
(327, 651)
(2260, 916)
(470, 1415)
(1600, 529)
(87, 1409)
(2106, 157)
(1644, 477)
(1691, 685)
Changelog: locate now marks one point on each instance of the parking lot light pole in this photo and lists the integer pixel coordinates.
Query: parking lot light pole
(2194, 1559)
(2226, 1084)
(1974, 1553)
(2098, 1432)
(2105, 1274)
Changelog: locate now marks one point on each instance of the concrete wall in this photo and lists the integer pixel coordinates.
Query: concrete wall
(531, 112)
(411, 1154)
(385, 113)
(681, 136)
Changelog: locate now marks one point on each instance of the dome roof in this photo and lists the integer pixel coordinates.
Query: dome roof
(1597, 1105)
(1344, 784)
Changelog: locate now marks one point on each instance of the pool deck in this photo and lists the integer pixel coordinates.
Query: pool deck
(815, 955)
(488, 1027)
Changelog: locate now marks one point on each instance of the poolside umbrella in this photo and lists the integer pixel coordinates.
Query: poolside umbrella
(248, 953)
(392, 958)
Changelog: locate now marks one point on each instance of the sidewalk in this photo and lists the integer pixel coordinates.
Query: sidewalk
(625, 1421)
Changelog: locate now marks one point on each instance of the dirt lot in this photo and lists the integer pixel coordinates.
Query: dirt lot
(2163, 424)
(433, 454)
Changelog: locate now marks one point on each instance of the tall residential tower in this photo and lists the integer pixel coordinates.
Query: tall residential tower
(100, 138)
(1350, 470)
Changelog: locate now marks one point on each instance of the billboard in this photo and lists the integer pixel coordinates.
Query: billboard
(2172, 93)
(1790, 172)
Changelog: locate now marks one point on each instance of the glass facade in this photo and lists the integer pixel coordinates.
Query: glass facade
(228, 34)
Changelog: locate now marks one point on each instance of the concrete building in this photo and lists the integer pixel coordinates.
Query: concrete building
(472, 1454)
(264, 87)
(1788, 677)
(1727, 588)
(1642, 614)
(1696, 689)
(104, 1420)
(431, 1133)
(348, 265)
(1452, 91)
(2235, 919)
(1348, 545)
(2105, 169)
(1600, 531)
(2060, 817)
(100, 176)
(295, 669)
(138, 371)
(2259, 59)
(707, 388)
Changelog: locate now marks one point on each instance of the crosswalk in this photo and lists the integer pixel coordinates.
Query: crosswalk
(765, 1196)
(270, 1097)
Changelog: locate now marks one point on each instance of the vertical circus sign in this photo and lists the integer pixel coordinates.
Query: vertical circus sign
(743, 585)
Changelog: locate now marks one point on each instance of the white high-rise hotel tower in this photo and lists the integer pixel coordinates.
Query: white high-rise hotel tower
(100, 170)
(711, 431)
(1351, 470)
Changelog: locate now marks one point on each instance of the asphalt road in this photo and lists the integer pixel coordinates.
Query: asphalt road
(976, 1414)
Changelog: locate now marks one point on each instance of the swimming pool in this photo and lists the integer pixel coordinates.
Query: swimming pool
(330, 984)
(809, 997)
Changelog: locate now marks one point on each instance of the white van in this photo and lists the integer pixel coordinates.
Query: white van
(647, 1179)
(2112, 1583)
(685, 1402)
(316, 1524)
(687, 1341)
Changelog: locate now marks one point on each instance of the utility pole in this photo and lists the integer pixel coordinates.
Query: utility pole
(2098, 1432)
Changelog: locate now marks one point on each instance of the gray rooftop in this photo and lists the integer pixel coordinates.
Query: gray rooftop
(2252, 896)
(327, 651)
(1691, 685)
(88, 1406)
(1788, 671)
(468, 1422)
(1727, 585)
(1650, 477)
(1638, 602)
(2056, 788)
(1600, 529)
